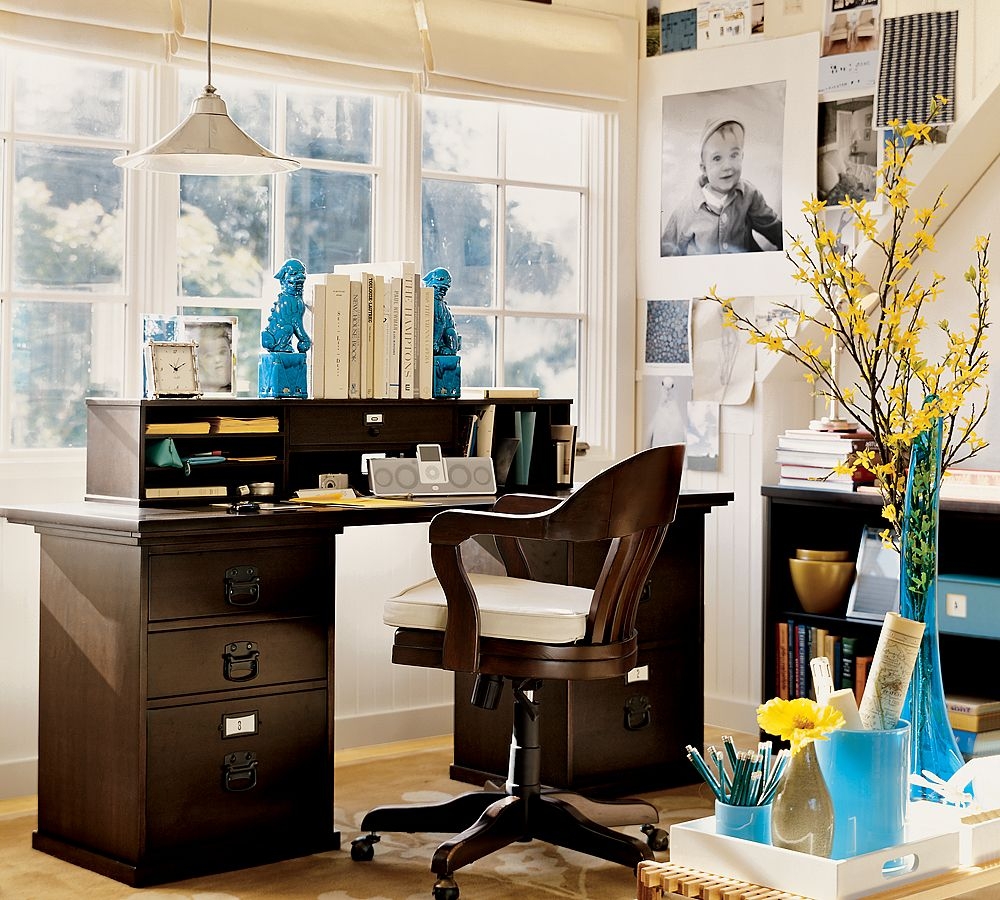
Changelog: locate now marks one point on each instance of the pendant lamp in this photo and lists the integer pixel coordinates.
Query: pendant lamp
(207, 142)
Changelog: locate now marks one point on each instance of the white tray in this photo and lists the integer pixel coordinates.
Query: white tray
(696, 844)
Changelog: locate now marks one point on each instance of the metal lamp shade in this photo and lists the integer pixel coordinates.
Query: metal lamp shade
(207, 142)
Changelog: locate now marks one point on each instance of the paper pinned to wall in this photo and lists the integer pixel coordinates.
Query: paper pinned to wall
(722, 360)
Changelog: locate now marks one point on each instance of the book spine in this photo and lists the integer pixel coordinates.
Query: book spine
(378, 385)
(408, 344)
(781, 661)
(217, 490)
(790, 660)
(861, 666)
(801, 660)
(396, 293)
(357, 316)
(338, 337)
(971, 707)
(969, 722)
(425, 343)
(484, 433)
(846, 668)
(318, 352)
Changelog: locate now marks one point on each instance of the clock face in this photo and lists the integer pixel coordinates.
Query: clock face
(174, 368)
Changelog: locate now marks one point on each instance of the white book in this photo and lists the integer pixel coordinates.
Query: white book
(368, 336)
(317, 331)
(379, 340)
(338, 337)
(394, 288)
(484, 431)
(354, 365)
(425, 343)
(408, 341)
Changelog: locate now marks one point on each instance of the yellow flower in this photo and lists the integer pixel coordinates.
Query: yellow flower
(800, 721)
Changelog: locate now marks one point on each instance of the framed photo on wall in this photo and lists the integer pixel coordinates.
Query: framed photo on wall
(216, 338)
(876, 582)
(761, 99)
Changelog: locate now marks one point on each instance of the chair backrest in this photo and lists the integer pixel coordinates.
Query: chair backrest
(630, 504)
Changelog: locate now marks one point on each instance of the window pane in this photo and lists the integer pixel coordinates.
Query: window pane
(68, 218)
(62, 353)
(458, 233)
(57, 96)
(223, 235)
(328, 219)
(326, 126)
(544, 144)
(542, 353)
(543, 250)
(478, 351)
(460, 136)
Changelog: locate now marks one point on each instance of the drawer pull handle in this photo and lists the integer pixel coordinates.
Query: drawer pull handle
(638, 712)
(239, 772)
(240, 662)
(242, 586)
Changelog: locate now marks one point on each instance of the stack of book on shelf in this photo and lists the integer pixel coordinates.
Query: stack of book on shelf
(976, 724)
(971, 484)
(201, 427)
(808, 458)
(372, 327)
(798, 643)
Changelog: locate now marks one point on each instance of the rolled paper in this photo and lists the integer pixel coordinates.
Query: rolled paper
(845, 701)
(891, 670)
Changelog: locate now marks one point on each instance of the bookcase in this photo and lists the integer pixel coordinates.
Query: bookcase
(291, 443)
(813, 518)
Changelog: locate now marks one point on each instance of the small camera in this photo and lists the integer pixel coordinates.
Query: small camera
(333, 481)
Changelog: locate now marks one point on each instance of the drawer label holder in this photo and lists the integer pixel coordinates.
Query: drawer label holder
(239, 724)
(242, 585)
(240, 661)
(239, 772)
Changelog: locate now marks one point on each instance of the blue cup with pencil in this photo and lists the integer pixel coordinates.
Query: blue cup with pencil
(744, 783)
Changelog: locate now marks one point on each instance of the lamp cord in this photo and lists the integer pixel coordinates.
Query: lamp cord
(208, 87)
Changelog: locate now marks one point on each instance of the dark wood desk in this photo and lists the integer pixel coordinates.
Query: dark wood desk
(186, 681)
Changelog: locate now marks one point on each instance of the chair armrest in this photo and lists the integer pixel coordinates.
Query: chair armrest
(456, 525)
(519, 504)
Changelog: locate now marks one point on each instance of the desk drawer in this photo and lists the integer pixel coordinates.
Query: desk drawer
(203, 787)
(192, 661)
(296, 578)
(346, 425)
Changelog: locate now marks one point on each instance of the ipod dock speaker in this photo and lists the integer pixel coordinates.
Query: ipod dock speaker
(466, 475)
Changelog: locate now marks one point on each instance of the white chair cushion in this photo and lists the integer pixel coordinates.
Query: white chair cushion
(511, 608)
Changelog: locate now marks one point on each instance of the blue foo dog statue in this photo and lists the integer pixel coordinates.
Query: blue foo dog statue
(282, 371)
(447, 341)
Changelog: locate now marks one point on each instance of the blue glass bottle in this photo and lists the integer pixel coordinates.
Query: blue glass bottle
(932, 743)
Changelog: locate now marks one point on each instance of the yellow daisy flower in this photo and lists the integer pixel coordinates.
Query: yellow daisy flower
(800, 721)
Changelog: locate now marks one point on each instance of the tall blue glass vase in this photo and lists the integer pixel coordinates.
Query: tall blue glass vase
(932, 743)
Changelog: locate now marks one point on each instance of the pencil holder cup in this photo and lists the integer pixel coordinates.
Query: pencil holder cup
(866, 773)
(751, 823)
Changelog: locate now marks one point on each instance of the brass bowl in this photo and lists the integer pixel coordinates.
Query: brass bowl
(821, 585)
(824, 555)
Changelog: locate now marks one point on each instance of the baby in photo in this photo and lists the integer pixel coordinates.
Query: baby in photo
(724, 210)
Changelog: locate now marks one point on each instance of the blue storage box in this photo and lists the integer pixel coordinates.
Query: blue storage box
(969, 604)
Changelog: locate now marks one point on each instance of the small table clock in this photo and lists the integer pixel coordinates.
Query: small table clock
(172, 367)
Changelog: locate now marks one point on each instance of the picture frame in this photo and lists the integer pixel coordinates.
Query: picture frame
(875, 590)
(780, 150)
(216, 338)
(172, 369)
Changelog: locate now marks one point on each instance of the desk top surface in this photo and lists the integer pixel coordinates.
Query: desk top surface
(123, 519)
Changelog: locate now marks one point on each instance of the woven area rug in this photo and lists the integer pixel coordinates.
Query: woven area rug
(400, 870)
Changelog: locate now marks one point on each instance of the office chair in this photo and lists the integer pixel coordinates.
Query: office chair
(512, 628)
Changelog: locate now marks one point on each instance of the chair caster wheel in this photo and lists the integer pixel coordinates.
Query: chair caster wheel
(363, 848)
(446, 889)
(656, 838)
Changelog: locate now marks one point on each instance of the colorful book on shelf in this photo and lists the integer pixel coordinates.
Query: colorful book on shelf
(982, 743)
(847, 650)
(974, 706)
(969, 722)
(781, 660)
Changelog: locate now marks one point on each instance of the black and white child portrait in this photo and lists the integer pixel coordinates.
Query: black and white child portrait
(216, 353)
(721, 171)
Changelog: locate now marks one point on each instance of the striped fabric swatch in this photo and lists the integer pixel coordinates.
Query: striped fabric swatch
(918, 62)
